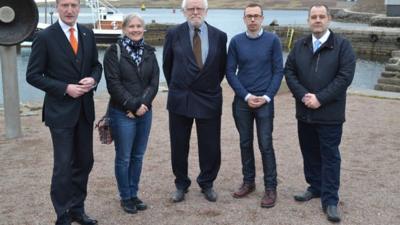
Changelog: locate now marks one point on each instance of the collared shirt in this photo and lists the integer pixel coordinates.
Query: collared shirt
(323, 39)
(249, 35)
(203, 37)
(66, 28)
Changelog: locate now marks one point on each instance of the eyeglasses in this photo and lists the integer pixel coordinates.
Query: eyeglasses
(200, 10)
(255, 16)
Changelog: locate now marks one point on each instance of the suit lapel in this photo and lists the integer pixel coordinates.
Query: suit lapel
(86, 43)
(184, 38)
(84, 40)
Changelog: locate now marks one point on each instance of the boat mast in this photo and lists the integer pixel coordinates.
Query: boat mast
(94, 6)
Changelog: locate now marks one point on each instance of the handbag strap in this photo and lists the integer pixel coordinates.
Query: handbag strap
(118, 52)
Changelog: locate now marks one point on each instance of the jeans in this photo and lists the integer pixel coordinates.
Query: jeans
(319, 145)
(244, 119)
(130, 140)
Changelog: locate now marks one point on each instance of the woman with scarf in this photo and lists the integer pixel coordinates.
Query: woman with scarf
(132, 76)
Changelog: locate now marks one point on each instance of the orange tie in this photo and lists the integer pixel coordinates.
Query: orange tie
(72, 40)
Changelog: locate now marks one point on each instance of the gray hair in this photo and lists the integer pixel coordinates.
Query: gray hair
(128, 18)
(184, 3)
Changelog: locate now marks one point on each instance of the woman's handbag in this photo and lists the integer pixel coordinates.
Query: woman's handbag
(104, 128)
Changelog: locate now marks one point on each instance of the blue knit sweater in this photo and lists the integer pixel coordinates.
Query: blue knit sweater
(255, 66)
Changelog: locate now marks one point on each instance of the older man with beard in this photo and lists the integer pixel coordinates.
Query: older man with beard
(194, 65)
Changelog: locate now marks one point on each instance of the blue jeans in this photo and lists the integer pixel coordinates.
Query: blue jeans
(319, 145)
(130, 140)
(244, 119)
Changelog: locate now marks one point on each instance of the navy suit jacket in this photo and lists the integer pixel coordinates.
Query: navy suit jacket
(53, 65)
(194, 92)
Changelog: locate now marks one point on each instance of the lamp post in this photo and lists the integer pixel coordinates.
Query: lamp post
(18, 20)
(8, 55)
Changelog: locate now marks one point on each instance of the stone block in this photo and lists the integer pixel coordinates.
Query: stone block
(393, 67)
(396, 54)
(387, 87)
(389, 74)
(391, 81)
(378, 87)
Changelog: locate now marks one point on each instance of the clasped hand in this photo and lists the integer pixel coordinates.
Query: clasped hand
(256, 101)
(83, 86)
(311, 101)
(139, 112)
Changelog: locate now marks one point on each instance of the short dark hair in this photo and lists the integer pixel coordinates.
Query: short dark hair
(328, 12)
(253, 4)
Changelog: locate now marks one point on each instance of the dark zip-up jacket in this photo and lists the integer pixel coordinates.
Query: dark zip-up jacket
(327, 73)
(130, 85)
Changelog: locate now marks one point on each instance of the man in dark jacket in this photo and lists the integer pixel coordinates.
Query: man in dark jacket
(63, 63)
(318, 72)
(194, 60)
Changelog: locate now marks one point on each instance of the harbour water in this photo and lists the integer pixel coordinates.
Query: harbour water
(228, 20)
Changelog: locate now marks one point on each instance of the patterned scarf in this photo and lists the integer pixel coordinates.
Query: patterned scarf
(134, 48)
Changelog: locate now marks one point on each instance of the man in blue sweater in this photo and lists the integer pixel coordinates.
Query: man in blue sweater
(255, 71)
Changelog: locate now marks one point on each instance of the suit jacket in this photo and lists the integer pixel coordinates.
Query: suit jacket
(53, 65)
(194, 92)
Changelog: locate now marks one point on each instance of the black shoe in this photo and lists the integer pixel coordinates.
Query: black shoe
(179, 195)
(332, 213)
(306, 196)
(64, 219)
(128, 206)
(210, 194)
(82, 219)
(139, 204)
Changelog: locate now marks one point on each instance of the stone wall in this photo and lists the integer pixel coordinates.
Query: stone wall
(373, 19)
(369, 42)
(390, 78)
(155, 33)
(384, 21)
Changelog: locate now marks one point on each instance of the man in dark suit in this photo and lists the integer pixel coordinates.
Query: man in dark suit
(194, 65)
(63, 63)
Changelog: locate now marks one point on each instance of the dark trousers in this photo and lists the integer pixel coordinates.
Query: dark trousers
(244, 120)
(209, 137)
(319, 145)
(73, 161)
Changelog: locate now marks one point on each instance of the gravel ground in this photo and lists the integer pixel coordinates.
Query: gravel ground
(370, 181)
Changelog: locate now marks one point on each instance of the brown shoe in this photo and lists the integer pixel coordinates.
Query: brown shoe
(244, 190)
(269, 199)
